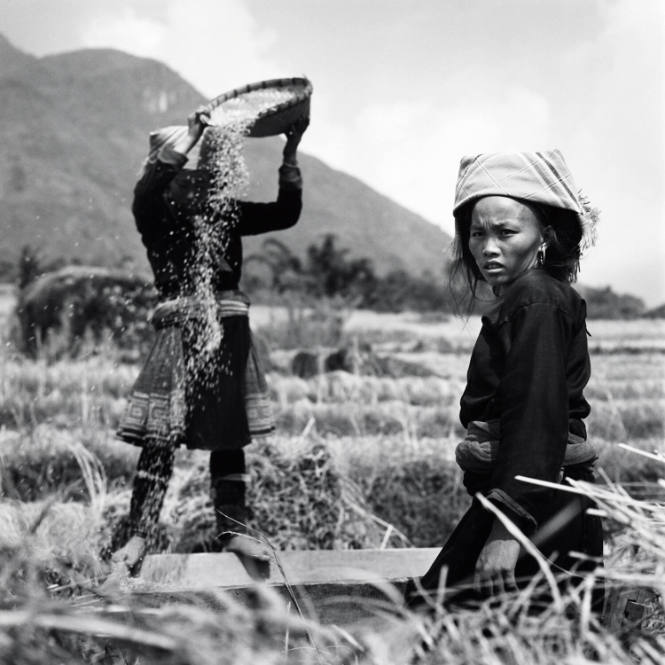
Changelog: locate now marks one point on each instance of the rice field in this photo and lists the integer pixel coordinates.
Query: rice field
(358, 461)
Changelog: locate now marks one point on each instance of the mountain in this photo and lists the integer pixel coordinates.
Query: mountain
(11, 58)
(74, 133)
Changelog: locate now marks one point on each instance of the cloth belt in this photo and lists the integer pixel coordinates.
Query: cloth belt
(480, 448)
(176, 311)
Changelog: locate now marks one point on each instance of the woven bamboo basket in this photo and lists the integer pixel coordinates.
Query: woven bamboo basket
(269, 107)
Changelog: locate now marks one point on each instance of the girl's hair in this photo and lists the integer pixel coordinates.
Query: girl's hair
(563, 232)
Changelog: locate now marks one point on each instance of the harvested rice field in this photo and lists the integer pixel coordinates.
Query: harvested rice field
(359, 460)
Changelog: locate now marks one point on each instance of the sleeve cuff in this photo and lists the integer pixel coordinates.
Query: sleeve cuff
(289, 177)
(168, 155)
(522, 518)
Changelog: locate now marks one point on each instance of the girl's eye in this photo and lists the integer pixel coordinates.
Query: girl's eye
(507, 232)
(476, 234)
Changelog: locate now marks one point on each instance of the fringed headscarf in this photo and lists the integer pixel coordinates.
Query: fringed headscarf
(536, 177)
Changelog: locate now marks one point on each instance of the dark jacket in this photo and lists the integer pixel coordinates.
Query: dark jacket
(164, 218)
(528, 369)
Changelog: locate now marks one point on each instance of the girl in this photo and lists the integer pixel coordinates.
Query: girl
(520, 227)
(202, 384)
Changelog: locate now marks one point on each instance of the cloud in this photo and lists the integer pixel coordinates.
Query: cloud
(616, 145)
(410, 150)
(215, 46)
(399, 97)
(125, 30)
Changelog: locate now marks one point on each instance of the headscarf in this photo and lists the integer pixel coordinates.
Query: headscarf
(536, 177)
(163, 138)
(189, 187)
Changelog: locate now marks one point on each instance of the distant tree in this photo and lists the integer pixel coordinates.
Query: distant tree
(8, 267)
(606, 304)
(331, 272)
(29, 266)
(399, 290)
(656, 312)
(32, 264)
(284, 266)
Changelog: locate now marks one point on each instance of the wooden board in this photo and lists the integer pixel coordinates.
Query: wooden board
(298, 568)
(342, 587)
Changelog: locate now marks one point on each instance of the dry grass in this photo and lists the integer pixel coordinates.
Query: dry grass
(353, 454)
(37, 627)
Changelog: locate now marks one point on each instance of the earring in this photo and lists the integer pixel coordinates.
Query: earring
(540, 256)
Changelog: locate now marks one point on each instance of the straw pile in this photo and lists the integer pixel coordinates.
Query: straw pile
(39, 624)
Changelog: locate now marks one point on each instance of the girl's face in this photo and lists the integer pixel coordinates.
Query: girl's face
(504, 239)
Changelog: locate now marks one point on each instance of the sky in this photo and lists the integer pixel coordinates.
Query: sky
(404, 88)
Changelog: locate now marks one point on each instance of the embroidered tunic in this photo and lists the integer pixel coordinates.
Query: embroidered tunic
(196, 389)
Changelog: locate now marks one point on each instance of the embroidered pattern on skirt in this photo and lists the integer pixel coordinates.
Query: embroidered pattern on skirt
(158, 408)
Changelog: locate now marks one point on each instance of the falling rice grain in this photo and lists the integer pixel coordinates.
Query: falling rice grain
(223, 161)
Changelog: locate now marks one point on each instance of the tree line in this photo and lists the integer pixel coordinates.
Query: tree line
(329, 270)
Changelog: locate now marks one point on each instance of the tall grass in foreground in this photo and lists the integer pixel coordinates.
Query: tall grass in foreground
(49, 614)
(392, 438)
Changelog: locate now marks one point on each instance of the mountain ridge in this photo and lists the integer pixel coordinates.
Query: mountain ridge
(75, 129)
(12, 58)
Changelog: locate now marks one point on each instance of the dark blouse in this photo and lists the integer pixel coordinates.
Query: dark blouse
(164, 218)
(528, 369)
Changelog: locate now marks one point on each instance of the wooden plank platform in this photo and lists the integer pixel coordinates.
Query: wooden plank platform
(306, 567)
(342, 586)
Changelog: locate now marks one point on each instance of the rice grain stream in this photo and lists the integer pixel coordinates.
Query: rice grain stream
(224, 164)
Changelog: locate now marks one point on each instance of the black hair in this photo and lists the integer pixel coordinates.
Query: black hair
(563, 233)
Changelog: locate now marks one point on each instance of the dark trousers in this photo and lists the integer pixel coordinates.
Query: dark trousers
(154, 470)
(568, 529)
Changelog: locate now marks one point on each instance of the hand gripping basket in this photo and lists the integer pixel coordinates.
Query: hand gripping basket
(268, 107)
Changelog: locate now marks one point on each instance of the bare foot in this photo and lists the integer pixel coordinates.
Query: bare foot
(131, 555)
(246, 546)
